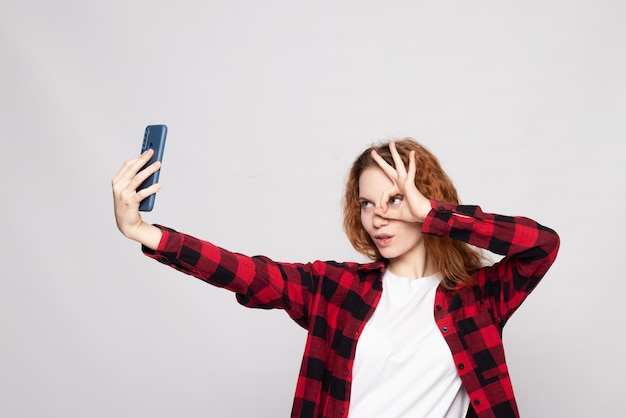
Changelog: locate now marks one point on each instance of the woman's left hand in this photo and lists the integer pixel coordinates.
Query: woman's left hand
(414, 205)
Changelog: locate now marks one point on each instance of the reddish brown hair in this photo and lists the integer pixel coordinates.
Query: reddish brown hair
(454, 259)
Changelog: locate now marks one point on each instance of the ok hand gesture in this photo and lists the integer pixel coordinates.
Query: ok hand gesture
(414, 206)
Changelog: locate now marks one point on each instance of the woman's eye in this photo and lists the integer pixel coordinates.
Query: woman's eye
(396, 200)
(365, 204)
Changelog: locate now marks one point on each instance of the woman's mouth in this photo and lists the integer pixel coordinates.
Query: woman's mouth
(383, 240)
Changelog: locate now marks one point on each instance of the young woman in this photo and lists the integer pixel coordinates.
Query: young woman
(416, 332)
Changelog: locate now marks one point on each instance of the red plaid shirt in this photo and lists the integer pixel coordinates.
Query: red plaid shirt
(333, 301)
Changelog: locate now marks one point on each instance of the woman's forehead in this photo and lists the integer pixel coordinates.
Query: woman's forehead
(373, 181)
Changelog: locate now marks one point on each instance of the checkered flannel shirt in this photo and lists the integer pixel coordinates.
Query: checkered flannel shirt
(333, 301)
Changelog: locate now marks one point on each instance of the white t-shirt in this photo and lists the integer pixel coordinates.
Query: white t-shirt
(403, 366)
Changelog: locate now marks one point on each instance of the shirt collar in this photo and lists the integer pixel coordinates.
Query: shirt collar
(373, 266)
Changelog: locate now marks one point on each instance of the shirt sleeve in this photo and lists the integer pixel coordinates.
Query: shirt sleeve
(257, 281)
(529, 249)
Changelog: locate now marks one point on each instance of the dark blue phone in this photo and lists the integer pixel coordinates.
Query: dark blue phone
(153, 137)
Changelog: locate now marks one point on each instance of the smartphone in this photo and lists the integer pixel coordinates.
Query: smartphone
(153, 137)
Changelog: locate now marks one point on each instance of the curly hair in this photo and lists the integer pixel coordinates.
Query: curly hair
(454, 259)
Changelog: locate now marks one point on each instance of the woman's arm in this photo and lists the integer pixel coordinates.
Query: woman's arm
(529, 249)
(258, 281)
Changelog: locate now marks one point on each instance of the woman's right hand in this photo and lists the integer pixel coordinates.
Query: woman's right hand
(126, 200)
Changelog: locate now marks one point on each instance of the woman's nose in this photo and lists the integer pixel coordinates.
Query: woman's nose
(379, 219)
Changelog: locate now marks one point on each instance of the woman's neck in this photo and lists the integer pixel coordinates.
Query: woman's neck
(414, 267)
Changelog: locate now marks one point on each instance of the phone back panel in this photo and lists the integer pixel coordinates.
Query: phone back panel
(154, 137)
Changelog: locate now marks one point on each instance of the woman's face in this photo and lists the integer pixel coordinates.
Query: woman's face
(397, 241)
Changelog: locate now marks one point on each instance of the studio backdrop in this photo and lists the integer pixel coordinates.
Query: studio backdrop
(267, 105)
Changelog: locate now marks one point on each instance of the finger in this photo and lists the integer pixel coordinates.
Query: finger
(387, 211)
(120, 173)
(148, 191)
(390, 213)
(131, 167)
(383, 202)
(118, 183)
(132, 176)
(400, 168)
(384, 165)
(125, 190)
(141, 176)
(130, 199)
(386, 197)
(412, 166)
(140, 162)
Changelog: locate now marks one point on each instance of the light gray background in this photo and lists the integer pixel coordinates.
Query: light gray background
(267, 104)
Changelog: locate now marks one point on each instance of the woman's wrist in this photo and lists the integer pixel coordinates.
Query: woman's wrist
(147, 235)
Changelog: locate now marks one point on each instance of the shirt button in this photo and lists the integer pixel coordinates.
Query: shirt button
(476, 402)
(438, 307)
(461, 366)
(445, 329)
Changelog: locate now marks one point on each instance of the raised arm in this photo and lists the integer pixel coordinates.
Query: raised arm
(529, 249)
(257, 281)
